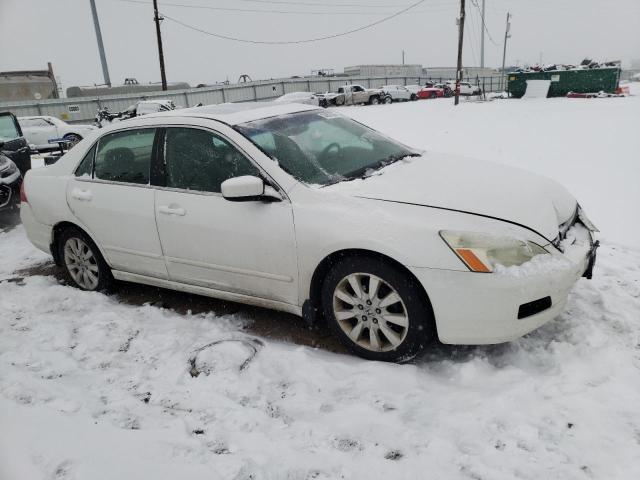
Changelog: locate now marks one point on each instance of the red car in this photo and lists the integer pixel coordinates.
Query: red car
(431, 92)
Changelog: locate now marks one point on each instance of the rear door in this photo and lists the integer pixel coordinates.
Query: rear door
(38, 131)
(403, 93)
(241, 247)
(111, 196)
(14, 144)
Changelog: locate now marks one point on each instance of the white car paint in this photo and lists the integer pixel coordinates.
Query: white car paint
(465, 88)
(38, 130)
(266, 253)
(397, 92)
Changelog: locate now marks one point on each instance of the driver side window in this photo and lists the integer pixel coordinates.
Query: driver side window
(199, 160)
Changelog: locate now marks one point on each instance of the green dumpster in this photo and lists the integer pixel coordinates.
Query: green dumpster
(565, 81)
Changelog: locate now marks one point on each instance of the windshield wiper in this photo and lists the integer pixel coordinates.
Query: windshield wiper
(380, 164)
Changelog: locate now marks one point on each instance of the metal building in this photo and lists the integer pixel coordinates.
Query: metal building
(28, 85)
(384, 70)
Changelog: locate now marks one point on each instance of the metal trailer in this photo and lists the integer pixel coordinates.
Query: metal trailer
(604, 79)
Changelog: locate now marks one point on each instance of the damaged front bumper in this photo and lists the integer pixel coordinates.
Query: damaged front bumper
(569, 236)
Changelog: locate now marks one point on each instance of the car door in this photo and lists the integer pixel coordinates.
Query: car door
(111, 196)
(403, 93)
(14, 145)
(44, 131)
(241, 247)
(348, 95)
(359, 95)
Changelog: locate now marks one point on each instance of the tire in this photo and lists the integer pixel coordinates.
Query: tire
(414, 97)
(374, 101)
(433, 95)
(73, 139)
(388, 100)
(91, 272)
(399, 340)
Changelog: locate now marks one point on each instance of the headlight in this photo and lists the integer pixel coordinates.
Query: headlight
(482, 252)
(7, 166)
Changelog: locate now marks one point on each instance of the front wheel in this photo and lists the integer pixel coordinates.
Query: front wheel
(82, 262)
(388, 100)
(413, 97)
(376, 310)
(374, 101)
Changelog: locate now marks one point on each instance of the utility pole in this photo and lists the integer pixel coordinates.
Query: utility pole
(504, 50)
(459, 66)
(403, 57)
(482, 38)
(157, 19)
(103, 58)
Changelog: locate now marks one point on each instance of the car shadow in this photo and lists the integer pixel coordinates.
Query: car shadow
(9, 218)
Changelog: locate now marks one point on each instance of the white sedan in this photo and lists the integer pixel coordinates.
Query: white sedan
(302, 210)
(465, 88)
(39, 130)
(399, 93)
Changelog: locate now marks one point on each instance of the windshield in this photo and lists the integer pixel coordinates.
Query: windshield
(8, 130)
(320, 147)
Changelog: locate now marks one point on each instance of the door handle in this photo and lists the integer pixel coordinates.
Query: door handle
(83, 195)
(171, 210)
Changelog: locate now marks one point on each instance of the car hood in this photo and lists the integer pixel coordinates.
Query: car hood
(471, 186)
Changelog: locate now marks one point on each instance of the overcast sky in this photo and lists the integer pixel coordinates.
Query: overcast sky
(33, 32)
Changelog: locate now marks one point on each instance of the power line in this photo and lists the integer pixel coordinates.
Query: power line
(472, 36)
(484, 25)
(324, 4)
(290, 42)
(288, 12)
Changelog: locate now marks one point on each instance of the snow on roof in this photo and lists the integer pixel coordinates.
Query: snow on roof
(237, 113)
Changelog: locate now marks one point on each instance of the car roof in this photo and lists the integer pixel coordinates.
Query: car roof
(237, 113)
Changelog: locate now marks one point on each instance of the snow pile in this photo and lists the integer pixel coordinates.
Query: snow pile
(537, 266)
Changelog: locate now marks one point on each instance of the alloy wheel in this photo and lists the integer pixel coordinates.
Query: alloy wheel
(370, 312)
(81, 263)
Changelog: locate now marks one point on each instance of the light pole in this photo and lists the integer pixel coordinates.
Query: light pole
(103, 57)
(504, 50)
(482, 39)
(459, 65)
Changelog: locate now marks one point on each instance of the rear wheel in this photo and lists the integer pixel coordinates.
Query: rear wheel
(376, 310)
(82, 262)
(388, 100)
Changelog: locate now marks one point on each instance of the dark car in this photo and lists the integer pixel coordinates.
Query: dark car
(13, 143)
(10, 182)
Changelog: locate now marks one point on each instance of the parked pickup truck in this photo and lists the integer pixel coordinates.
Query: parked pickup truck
(357, 94)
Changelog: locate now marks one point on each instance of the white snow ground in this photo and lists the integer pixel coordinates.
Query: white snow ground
(94, 389)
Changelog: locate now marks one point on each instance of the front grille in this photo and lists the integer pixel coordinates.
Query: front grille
(531, 308)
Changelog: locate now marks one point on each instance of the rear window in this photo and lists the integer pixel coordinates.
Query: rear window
(125, 156)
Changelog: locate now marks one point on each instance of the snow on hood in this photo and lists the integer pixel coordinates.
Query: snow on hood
(472, 186)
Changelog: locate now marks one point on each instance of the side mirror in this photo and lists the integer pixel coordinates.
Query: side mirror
(248, 188)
